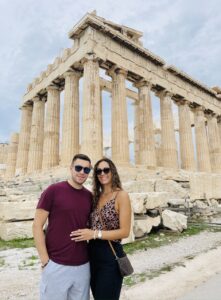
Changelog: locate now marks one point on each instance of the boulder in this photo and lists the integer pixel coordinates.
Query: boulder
(156, 199)
(174, 221)
(173, 188)
(138, 202)
(15, 230)
(17, 211)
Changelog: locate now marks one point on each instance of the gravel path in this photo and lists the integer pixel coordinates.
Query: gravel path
(19, 269)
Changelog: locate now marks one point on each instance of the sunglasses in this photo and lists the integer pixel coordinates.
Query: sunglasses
(80, 168)
(100, 171)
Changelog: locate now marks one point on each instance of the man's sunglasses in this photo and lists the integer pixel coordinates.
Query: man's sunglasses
(80, 168)
(105, 170)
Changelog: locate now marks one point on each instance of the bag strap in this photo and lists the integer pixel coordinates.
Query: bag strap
(103, 225)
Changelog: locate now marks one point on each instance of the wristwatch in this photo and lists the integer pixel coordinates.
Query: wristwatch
(99, 234)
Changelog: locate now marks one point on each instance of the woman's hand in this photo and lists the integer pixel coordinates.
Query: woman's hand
(82, 235)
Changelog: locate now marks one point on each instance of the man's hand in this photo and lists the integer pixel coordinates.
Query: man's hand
(82, 235)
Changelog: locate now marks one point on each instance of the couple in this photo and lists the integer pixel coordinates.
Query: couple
(70, 265)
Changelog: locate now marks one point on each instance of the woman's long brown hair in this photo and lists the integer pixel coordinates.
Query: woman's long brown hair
(97, 186)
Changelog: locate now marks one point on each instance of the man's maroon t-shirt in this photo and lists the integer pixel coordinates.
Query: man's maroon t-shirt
(69, 210)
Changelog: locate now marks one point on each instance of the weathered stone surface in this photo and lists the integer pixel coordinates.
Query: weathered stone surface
(17, 211)
(141, 227)
(156, 199)
(177, 202)
(138, 201)
(131, 237)
(15, 230)
(174, 221)
(2, 193)
(144, 226)
(200, 186)
(200, 204)
(140, 186)
(173, 188)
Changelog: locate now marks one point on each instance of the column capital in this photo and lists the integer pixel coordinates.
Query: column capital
(72, 73)
(142, 83)
(210, 114)
(90, 57)
(116, 70)
(182, 102)
(26, 106)
(52, 87)
(219, 118)
(164, 93)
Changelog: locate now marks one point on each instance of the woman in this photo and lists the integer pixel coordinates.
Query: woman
(110, 220)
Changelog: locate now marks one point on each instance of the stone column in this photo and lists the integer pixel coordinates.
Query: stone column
(51, 129)
(136, 134)
(219, 126)
(12, 156)
(24, 139)
(168, 139)
(70, 125)
(202, 149)
(214, 143)
(186, 140)
(119, 137)
(91, 141)
(146, 140)
(35, 154)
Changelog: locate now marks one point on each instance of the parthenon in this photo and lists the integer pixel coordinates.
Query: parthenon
(100, 44)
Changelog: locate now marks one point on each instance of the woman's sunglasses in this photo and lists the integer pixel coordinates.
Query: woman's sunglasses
(79, 168)
(104, 170)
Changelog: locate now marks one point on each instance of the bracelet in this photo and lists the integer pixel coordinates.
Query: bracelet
(99, 235)
(95, 234)
(43, 266)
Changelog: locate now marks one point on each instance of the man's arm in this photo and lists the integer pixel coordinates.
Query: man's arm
(41, 216)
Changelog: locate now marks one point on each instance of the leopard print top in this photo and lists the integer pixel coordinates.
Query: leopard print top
(109, 215)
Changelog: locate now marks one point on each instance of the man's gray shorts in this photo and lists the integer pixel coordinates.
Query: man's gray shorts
(61, 282)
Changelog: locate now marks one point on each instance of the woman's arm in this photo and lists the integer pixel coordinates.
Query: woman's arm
(124, 210)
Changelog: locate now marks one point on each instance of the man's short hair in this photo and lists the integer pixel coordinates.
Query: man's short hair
(80, 156)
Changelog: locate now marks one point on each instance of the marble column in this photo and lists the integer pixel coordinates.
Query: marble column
(146, 140)
(24, 139)
(51, 129)
(91, 141)
(12, 156)
(219, 126)
(136, 134)
(186, 139)
(35, 154)
(119, 137)
(70, 125)
(202, 148)
(214, 143)
(168, 139)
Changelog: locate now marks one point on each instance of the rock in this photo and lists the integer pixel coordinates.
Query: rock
(131, 237)
(153, 212)
(173, 188)
(138, 201)
(139, 186)
(144, 226)
(214, 203)
(176, 202)
(174, 221)
(156, 199)
(15, 230)
(200, 204)
(2, 192)
(17, 211)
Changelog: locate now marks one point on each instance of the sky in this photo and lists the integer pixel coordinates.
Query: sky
(185, 33)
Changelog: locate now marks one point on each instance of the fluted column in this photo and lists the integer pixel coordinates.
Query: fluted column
(119, 137)
(35, 154)
(186, 140)
(70, 125)
(219, 126)
(202, 149)
(146, 140)
(168, 139)
(91, 141)
(12, 156)
(214, 143)
(24, 139)
(136, 134)
(51, 129)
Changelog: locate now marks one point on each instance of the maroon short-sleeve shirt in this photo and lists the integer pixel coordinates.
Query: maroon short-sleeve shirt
(69, 209)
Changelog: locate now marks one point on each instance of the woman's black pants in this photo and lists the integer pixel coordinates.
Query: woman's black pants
(106, 280)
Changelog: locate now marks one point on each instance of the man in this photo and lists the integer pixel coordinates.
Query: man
(67, 206)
